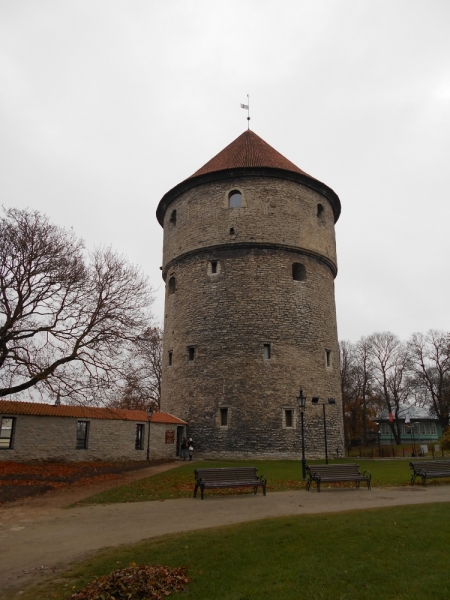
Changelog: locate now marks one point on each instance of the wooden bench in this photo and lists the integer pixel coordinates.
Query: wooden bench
(228, 477)
(336, 474)
(429, 469)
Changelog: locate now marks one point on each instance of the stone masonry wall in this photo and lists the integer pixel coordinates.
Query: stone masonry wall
(274, 211)
(54, 439)
(226, 317)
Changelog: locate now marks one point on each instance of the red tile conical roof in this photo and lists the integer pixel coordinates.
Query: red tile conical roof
(248, 150)
(248, 155)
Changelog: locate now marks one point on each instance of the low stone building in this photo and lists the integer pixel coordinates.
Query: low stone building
(35, 431)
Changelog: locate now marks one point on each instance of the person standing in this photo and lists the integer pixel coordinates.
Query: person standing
(191, 448)
(184, 447)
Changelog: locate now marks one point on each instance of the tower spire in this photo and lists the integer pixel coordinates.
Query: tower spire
(247, 108)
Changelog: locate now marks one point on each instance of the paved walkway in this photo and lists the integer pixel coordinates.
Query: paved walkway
(33, 540)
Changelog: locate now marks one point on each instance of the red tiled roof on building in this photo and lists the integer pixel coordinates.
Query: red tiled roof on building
(16, 407)
(248, 150)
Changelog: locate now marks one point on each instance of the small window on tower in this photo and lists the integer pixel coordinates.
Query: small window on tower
(172, 284)
(319, 210)
(224, 417)
(235, 199)
(170, 357)
(191, 352)
(288, 418)
(214, 266)
(328, 357)
(298, 272)
(266, 351)
(173, 217)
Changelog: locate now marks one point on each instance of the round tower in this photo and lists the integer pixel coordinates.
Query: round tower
(249, 263)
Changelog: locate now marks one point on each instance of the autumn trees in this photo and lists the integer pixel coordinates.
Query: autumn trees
(360, 405)
(70, 321)
(143, 372)
(430, 365)
(382, 372)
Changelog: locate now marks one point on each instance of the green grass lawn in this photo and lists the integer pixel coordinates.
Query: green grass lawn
(281, 475)
(378, 554)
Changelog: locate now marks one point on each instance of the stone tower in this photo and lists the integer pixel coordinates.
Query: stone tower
(249, 263)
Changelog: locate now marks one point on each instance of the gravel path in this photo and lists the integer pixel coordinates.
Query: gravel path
(37, 536)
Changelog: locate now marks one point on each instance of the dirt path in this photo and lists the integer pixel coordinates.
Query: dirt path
(38, 537)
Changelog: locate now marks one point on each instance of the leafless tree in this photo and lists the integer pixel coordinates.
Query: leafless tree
(365, 379)
(430, 364)
(143, 372)
(390, 363)
(67, 318)
(360, 405)
(350, 392)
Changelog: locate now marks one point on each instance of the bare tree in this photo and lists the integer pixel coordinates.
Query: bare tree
(351, 405)
(359, 403)
(430, 364)
(390, 362)
(143, 372)
(67, 319)
(365, 379)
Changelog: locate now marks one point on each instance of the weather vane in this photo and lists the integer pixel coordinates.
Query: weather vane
(247, 108)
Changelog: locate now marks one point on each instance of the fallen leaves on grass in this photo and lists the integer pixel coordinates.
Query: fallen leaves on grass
(17, 478)
(136, 582)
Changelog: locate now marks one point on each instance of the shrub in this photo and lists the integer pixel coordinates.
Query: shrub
(445, 440)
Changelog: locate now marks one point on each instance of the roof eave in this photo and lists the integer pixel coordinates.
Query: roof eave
(192, 182)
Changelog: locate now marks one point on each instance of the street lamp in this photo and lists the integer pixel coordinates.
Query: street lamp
(301, 399)
(315, 400)
(414, 441)
(149, 416)
(379, 437)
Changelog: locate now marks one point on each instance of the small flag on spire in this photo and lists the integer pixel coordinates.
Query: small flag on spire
(247, 108)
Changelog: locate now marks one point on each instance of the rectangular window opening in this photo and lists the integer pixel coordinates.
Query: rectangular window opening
(191, 353)
(224, 417)
(328, 357)
(140, 437)
(214, 266)
(170, 357)
(82, 435)
(7, 432)
(266, 351)
(289, 418)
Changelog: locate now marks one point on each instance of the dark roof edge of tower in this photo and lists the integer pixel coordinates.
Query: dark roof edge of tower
(304, 179)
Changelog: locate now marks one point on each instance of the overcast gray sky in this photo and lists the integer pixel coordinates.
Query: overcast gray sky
(106, 105)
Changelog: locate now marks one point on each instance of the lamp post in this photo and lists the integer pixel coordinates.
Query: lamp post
(315, 400)
(418, 432)
(379, 437)
(149, 416)
(413, 425)
(301, 399)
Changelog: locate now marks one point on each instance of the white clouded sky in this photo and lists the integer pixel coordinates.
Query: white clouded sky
(106, 105)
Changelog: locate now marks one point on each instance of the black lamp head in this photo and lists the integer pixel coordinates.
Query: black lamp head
(301, 399)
